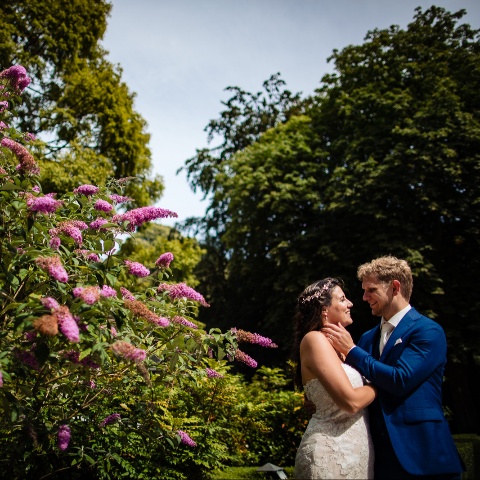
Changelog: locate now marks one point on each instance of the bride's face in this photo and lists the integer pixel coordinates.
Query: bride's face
(339, 310)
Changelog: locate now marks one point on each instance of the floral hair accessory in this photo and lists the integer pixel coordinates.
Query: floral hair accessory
(318, 293)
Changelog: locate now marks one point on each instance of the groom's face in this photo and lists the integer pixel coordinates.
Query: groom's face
(376, 293)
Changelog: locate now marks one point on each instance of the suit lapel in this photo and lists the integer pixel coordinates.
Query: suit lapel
(400, 330)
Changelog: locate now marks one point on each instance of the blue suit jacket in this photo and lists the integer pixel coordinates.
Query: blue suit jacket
(409, 377)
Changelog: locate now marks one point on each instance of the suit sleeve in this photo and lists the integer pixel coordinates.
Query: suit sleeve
(424, 352)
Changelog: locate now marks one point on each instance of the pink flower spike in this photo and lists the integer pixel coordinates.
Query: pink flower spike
(211, 373)
(45, 205)
(181, 290)
(90, 295)
(93, 257)
(139, 216)
(67, 324)
(17, 76)
(53, 266)
(97, 224)
(86, 190)
(184, 321)
(119, 198)
(49, 303)
(185, 438)
(246, 359)
(164, 260)
(129, 352)
(27, 162)
(1, 379)
(64, 435)
(55, 243)
(243, 336)
(126, 294)
(137, 269)
(108, 291)
(102, 206)
(113, 418)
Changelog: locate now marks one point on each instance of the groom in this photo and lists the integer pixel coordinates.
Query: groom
(410, 434)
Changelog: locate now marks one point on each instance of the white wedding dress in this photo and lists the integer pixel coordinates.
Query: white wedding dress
(336, 444)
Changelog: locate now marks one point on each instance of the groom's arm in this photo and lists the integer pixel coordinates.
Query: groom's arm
(422, 354)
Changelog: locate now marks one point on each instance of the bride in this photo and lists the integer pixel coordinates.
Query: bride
(336, 443)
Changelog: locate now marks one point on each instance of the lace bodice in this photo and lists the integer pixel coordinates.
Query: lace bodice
(336, 444)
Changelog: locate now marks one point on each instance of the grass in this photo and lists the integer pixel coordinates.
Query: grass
(246, 473)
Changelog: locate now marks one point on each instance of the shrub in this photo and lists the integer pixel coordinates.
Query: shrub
(99, 378)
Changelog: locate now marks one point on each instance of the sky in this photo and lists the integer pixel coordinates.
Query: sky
(178, 56)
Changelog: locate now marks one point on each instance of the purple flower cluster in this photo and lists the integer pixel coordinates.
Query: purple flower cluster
(139, 216)
(211, 373)
(164, 260)
(1, 379)
(46, 204)
(119, 199)
(97, 224)
(67, 324)
(114, 417)
(91, 257)
(108, 291)
(49, 303)
(181, 290)
(183, 321)
(53, 266)
(137, 269)
(17, 76)
(128, 351)
(243, 336)
(247, 359)
(126, 294)
(64, 435)
(27, 162)
(70, 228)
(140, 310)
(185, 438)
(55, 243)
(86, 190)
(89, 295)
(102, 206)
(3, 106)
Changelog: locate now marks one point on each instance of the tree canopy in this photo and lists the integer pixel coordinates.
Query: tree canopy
(77, 101)
(383, 161)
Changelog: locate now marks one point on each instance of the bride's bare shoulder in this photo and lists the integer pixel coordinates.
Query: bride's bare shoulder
(314, 337)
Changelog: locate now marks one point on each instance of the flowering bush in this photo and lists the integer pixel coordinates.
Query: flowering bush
(78, 343)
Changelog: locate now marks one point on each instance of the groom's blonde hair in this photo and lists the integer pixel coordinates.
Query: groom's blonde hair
(389, 268)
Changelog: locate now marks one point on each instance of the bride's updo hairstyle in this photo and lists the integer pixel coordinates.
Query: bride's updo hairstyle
(308, 315)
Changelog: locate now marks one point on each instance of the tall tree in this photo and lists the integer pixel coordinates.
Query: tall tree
(384, 162)
(77, 98)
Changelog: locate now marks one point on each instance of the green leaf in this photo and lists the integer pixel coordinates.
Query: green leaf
(84, 353)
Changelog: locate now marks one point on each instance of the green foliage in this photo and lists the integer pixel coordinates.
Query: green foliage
(155, 238)
(77, 101)
(97, 381)
(383, 161)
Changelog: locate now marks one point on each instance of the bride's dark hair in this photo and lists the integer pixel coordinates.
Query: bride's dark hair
(308, 315)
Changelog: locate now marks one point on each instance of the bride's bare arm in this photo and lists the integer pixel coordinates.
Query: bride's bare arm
(320, 360)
